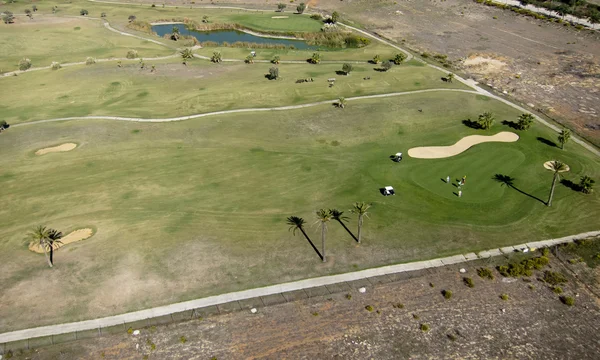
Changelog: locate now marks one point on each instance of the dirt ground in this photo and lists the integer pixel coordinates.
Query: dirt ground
(474, 323)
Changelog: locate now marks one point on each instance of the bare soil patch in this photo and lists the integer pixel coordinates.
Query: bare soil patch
(279, 17)
(60, 148)
(438, 152)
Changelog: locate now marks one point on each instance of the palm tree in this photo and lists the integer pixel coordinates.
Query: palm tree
(564, 137)
(556, 167)
(323, 217)
(586, 184)
(315, 58)
(175, 33)
(360, 208)
(275, 59)
(339, 217)
(341, 102)
(47, 239)
(297, 223)
(486, 120)
(399, 58)
(376, 59)
(249, 59)
(525, 121)
(449, 77)
(216, 57)
(186, 54)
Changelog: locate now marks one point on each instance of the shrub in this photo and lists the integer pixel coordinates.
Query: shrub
(469, 282)
(504, 297)
(557, 290)
(273, 73)
(130, 331)
(424, 327)
(398, 306)
(386, 65)
(90, 60)
(140, 25)
(315, 58)
(399, 58)
(55, 65)
(132, 54)
(554, 278)
(24, 64)
(347, 68)
(452, 337)
(83, 12)
(355, 41)
(275, 59)
(249, 59)
(216, 57)
(348, 296)
(415, 316)
(8, 17)
(369, 308)
(485, 273)
(531, 287)
(376, 59)
(3, 124)
(431, 284)
(545, 252)
(316, 17)
(103, 15)
(447, 294)
(300, 8)
(567, 300)
(183, 340)
(131, 18)
(524, 268)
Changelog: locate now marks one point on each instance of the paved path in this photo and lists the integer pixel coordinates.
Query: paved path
(273, 289)
(223, 112)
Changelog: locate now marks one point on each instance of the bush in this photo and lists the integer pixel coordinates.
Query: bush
(130, 331)
(216, 57)
(273, 73)
(316, 17)
(485, 273)
(386, 65)
(347, 68)
(275, 59)
(55, 65)
(132, 54)
(545, 252)
(183, 339)
(469, 282)
(567, 300)
(369, 308)
(376, 59)
(504, 297)
(315, 58)
(348, 296)
(8, 17)
(103, 15)
(83, 12)
(424, 327)
(557, 290)
(447, 294)
(554, 278)
(524, 268)
(399, 58)
(90, 60)
(398, 306)
(24, 64)
(355, 41)
(131, 18)
(300, 8)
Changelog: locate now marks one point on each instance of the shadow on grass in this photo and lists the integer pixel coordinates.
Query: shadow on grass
(571, 185)
(510, 124)
(472, 124)
(311, 244)
(341, 73)
(509, 181)
(546, 141)
(348, 230)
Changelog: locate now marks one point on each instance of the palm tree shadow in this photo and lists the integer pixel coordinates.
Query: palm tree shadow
(546, 141)
(313, 245)
(348, 230)
(509, 181)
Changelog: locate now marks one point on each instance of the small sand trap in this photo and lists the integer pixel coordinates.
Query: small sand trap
(59, 148)
(486, 64)
(438, 152)
(74, 236)
(279, 17)
(547, 165)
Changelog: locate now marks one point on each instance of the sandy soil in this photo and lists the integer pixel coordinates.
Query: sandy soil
(59, 148)
(74, 236)
(547, 165)
(484, 64)
(474, 324)
(438, 152)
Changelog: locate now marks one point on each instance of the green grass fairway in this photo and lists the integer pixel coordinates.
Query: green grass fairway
(188, 209)
(176, 90)
(46, 39)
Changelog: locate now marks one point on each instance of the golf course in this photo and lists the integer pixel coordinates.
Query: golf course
(181, 176)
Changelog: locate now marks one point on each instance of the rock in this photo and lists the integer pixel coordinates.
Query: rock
(362, 290)
(137, 346)
(253, 310)
(462, 270)
(503, 311)
(509, 280)
(136, 332)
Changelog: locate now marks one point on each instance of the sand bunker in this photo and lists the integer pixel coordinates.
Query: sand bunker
(485, 64)
(438, 152)
(74, 236)
(547, 165)
(59, 148)
(279, 17)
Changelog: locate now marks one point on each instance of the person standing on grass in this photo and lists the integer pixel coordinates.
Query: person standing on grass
(448, 179)
(459, 193)
(464, 179)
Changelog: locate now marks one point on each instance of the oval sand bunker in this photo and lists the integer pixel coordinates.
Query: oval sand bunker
(438, 152)
(72, 237)
(59, 148)
(279, 17)
(548, 165)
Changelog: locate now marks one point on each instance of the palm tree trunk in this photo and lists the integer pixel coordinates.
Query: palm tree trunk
(360, 222)
(549, 203)
(47, 258)
(323, 234)
(52, 255)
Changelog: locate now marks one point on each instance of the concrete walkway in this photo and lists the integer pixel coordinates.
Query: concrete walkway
(109, 321)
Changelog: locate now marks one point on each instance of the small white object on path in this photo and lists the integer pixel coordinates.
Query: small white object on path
(462, 270)
(362, 290)
(253, 310)
(136, 332)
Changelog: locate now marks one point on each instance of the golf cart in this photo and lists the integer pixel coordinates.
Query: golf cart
(397, 157)
(387, 191)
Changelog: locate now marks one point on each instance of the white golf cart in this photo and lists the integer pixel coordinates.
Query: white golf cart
(387, 191)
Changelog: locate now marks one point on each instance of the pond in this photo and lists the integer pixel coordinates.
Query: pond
(230, 36)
